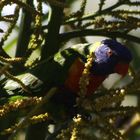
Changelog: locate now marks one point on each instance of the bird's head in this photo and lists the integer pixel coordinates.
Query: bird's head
(111, 57)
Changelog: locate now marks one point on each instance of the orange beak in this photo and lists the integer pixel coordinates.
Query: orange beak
(121, 68)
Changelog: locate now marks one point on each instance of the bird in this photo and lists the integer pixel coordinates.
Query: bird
(65, 68)
(110, 57)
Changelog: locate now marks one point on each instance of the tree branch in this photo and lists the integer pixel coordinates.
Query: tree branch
(97, 32)
(25, 31)
(52, 43)
(92, 16)
(24, 122)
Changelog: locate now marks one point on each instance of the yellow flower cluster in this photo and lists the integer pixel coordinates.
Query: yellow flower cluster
(10, 60)
(39, 118)
(84, 80)
(18, 104)
(9, 130)
(108, 100)
(33, 120)
(76, 128)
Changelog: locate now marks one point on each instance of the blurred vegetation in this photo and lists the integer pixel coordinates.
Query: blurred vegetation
(44, 27)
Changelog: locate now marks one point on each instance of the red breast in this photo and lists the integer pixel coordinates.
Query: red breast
(74, 74)
(121, 68)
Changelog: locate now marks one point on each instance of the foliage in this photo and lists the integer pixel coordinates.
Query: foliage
(100, 117)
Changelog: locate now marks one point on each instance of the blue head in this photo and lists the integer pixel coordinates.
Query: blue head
(111, 57)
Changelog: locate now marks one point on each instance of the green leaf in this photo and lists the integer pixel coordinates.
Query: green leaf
(10, 45)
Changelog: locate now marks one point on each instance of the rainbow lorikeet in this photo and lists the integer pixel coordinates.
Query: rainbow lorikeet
(65, 68)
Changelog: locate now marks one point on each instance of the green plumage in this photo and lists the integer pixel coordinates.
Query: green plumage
(53, 71)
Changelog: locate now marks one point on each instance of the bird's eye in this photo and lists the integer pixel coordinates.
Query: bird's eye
(109, 52)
